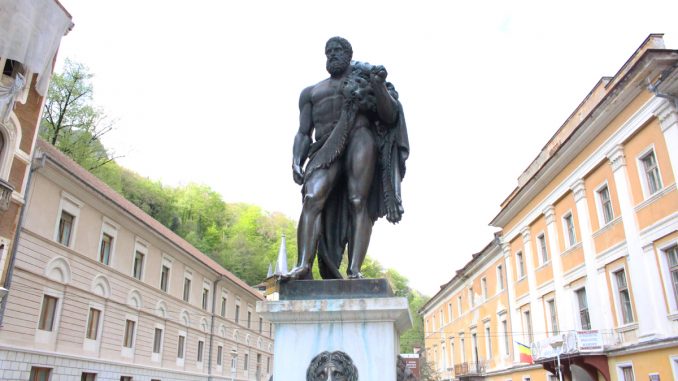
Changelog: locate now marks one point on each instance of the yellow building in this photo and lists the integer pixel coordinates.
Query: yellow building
(585, 268)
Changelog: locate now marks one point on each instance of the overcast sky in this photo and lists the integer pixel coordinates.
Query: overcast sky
(207, 92)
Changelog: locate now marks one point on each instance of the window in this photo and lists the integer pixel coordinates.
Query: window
(268, 364)
(471, 297)
(505, 334)
(234, 360)
(237, 313)
(164, 278)
(459, 305)
(48, 313)
(528, 326)
(270, 329)
(584, 319)
(128, 338)
(205, 297)
(452, 352)
(105, 249)
(568, 225)
(449, 312)
(125, 378)
(672, 259)
(88, 376)
(201, 345)
(40, 374)
(553, 316)
(651, 171)
(462, 344)
(65, 228)
(488, 342)
(93, 323)
(624, 296)
(157, 340)
(474, 349)
(249, 319)
(223, 306)
(247, 360)
(520, 263)
(261, 325)
(500, 278)
(440, 318)
(220, 354)
(626, 373)
(187, 288)
(180, 346)
(543, 253)
(483, 285)
(605, 204)
(138, 266)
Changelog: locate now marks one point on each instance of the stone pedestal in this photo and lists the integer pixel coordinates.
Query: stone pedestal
(361, 318)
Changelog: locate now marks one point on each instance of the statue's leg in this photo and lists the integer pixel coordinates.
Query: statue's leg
(361, 158)
(318, 187)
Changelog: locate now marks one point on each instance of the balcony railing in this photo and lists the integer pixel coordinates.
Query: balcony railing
(573, 342)
(470, 368)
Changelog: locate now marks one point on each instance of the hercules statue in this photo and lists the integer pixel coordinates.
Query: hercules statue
(354, 163)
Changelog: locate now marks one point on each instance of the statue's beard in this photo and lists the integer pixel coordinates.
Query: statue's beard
(337, 66)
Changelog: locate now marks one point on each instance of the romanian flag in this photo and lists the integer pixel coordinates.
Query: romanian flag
(525, 353)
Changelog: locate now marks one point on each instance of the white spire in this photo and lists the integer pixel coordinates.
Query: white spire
(281, 265)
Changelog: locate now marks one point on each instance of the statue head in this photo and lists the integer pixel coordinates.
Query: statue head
(332, 366)
(339, 53)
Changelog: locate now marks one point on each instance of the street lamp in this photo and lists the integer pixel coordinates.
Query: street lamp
(557, 345)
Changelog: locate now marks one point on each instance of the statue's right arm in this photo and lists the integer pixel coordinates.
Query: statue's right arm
(302, 141)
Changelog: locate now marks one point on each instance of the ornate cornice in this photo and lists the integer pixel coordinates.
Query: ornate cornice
(667, 115)
(549, 214)
(617, 157)
(578, 189)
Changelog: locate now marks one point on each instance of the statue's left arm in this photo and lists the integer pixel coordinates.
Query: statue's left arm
(387, 106)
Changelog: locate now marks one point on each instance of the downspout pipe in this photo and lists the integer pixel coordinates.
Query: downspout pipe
(38, 163)
(653, 89)
(214, 303)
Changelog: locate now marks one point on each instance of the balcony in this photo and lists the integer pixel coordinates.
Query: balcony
(573, 343)
(470, 368)
(6, 190)
(584, 349)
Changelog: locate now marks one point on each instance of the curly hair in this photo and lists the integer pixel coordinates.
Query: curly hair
(318, 368)
(343, 42)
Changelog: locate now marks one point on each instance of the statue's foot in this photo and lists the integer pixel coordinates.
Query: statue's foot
(357, 275)
(299, 272)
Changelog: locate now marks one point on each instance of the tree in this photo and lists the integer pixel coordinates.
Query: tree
(71, 122)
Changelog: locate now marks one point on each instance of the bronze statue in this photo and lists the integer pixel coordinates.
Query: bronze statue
(353, 166)
(332, 366)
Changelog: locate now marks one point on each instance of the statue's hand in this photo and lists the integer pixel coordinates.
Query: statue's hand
(297, 174)
(378, 74)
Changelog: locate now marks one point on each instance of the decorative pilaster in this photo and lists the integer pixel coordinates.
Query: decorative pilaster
(645, 285)
(512, 308)
(564, 310)
(598, 302)
(668, 119)
(617, 158)
(537, 308)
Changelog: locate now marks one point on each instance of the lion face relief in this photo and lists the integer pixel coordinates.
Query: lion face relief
(332, 366)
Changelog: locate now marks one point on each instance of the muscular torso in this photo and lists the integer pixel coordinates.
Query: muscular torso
(326, 105)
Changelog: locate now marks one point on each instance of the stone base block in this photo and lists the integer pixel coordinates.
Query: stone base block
(366, 328)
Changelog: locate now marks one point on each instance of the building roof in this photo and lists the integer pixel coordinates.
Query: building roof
(462, 274)
(596, 100)
(94, 183)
